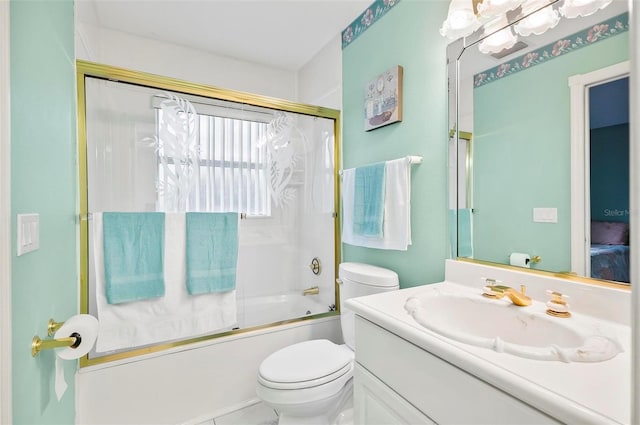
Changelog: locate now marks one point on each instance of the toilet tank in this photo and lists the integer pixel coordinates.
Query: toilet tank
(357, 280)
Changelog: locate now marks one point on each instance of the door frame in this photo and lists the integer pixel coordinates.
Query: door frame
(580, 169)
(5, 218)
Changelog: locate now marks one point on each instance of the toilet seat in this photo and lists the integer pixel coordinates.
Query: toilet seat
(305, 365)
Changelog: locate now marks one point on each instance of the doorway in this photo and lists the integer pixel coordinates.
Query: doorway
(600, 173)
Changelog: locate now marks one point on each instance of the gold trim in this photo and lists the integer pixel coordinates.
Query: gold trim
(562, 275)
(337, 217)
(85, 361)
(89, 69)
(475, 6)
(563, 314)
(85, 68)
(83, 196)
(461, 134)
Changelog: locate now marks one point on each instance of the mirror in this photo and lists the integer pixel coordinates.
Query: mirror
(539, 147)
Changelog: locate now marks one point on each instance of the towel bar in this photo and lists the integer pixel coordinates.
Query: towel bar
(411, 159)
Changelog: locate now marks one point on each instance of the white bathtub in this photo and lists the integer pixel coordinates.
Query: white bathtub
(258, 311)
(196, 382)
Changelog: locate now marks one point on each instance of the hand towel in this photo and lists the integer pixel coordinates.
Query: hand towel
(397, 208)
(133, 256)
(369, 200)
(212, 252)
(177, 315)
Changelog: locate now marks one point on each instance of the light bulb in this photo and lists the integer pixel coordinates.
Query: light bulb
(491, 8)
(461, 20)
(500, 40)
(539, 21)
(575, 8)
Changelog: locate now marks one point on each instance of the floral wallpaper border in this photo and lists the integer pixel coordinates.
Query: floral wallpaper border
(609, 28)
(373, 13)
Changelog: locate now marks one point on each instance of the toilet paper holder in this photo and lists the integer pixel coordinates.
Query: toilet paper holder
(53, 326)
(38, 344)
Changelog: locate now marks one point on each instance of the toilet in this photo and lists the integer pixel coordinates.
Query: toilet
(312, 382)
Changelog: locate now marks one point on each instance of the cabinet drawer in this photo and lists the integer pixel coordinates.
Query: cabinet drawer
(440, 390)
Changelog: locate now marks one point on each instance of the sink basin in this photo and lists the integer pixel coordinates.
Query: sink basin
(522, 331)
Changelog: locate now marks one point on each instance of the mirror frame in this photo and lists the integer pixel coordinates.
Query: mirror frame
(455, 50)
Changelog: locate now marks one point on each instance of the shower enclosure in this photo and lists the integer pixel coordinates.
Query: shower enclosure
(153, 144)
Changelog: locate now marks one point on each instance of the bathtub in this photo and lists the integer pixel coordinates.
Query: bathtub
(195, 382)
(258, 311)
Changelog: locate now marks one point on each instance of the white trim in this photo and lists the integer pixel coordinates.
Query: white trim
(634, 204)
(5, 219)
(580, 201)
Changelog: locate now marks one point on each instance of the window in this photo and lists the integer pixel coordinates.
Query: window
(219, 165)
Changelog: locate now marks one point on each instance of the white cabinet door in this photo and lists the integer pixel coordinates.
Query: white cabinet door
(377, 404)
(447, 394)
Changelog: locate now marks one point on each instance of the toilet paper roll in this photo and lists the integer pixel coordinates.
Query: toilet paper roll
(519, 259)
(82, 326)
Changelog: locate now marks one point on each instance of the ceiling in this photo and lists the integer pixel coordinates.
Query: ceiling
(284, 34)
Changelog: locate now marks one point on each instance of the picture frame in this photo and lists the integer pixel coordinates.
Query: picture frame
(383, 99)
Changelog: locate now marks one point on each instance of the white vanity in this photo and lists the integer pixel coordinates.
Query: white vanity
(408, 373)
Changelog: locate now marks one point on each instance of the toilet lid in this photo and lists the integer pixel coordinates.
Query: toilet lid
(311, 362)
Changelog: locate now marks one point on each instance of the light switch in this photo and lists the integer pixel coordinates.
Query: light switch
(28, 233)
(545, 215)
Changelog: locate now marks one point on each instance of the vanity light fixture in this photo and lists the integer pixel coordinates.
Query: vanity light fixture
(499, 39)
(461, 20)
(537, 22)
(574, 8)
(491, 8)
(466, 16)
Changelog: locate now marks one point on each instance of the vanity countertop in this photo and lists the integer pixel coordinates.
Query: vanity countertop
(585, 393)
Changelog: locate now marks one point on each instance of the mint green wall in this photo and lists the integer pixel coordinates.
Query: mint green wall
(522, 156)
(408, 36)
(43, 180)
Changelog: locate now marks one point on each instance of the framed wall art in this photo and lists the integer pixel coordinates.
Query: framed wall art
(383, 99)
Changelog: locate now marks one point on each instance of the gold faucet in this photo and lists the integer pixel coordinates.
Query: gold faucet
(314, 290)
(499, 291)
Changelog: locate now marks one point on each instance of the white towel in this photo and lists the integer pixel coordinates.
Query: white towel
(177, 315)
(397, 208)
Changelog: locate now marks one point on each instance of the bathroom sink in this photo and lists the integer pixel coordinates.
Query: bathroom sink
(504, 327)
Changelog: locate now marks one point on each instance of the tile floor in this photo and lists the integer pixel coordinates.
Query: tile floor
(256, 414)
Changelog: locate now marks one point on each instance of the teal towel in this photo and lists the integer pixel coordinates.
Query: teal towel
(212, 252)
(133, 256)
(465, 246)
(368, 200)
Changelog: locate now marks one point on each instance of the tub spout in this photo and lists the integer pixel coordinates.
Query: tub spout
(314, 290)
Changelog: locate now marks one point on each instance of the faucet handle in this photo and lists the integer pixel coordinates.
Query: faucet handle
(557, 297)
(489, 290)
(557, 306)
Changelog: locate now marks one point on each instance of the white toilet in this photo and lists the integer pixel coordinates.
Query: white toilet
(311, 382)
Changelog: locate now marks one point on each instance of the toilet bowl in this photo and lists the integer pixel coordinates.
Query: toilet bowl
(311, 382)
(306, 381)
